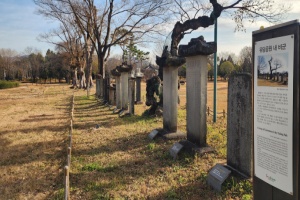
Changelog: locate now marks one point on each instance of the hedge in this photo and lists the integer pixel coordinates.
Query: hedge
(8, 84)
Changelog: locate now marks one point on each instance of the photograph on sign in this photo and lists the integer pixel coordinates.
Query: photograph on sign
(272, 70)
(273, 111)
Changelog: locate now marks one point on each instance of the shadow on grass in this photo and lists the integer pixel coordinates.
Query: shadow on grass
(29, 167)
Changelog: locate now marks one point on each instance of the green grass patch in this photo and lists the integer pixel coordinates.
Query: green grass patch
(8, 84)
(235, 187)
(96, 167)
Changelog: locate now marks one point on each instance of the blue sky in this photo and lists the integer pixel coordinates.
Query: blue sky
(20, 26)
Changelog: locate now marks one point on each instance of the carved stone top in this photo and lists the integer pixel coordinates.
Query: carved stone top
(197, 46)
(167, 60)
(124, 68)
(115, 72)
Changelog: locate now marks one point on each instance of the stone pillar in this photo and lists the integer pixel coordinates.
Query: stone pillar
(117, 75)
(196, 53)
(131, 95)
(124, 91)
(124, 70)
(118, 93)
(107, 88)
(239, 123)
(138, 76)
(196, 98)
(112, 91)
(98, 85)
(100, 89)
(170, 95)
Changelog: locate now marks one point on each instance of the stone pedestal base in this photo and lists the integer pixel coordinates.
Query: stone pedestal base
(166, 134)
(193, 148)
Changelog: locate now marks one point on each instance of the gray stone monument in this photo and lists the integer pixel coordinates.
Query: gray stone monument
(196, 86)
(239, 123)
(115, 73)
(107, 86)
(131, 93)
(138, 79)
(112, 94)
(170, 65)
(124, 70)
(170, 96)
(98, 80)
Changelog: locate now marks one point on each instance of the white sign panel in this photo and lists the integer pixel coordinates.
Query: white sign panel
(273, 112)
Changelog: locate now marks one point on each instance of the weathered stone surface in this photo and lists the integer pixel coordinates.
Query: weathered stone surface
(98, 88)
(239, 123)
(197, 46)
(118, 92)
(112, 93)
(170, 95)
(124, 90)
(131, 95)
(138, 89)
(196, 94)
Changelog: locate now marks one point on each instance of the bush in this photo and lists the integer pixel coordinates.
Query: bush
(8, 84)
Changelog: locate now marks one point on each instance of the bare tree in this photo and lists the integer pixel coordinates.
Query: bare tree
(102, 25)
(240, 11)
(274, 66)
(245, 59)
(8, 57)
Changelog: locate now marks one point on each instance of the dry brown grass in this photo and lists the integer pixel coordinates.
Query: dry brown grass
(270, 83)
(33, 129)
(116, 161)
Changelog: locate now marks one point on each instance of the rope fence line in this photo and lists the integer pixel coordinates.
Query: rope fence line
(69, 150)
(211, 112)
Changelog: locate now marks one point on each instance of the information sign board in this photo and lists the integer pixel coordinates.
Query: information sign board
(273, 111)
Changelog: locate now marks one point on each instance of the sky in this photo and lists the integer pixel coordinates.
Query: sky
(20, 26)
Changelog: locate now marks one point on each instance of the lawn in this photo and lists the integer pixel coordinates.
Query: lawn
(115, 161)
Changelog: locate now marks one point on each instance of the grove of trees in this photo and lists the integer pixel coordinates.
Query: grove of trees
(89, 29)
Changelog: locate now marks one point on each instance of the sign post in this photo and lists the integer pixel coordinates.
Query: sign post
(276, 112)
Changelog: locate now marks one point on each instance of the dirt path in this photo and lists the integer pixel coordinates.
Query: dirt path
(33, 129)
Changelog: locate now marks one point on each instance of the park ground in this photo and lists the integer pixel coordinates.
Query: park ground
(115, 161)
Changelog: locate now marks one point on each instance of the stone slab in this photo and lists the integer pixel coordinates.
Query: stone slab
(217, 175)
(153, 134)
(175, 149)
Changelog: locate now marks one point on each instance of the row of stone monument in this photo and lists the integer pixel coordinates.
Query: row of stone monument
(125, 92)
(239, 114)
(278, 77)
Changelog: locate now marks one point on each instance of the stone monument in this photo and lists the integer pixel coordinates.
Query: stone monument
(239, 125)
(138, 75)
(170, 65)
(196, 53)
(115, 73)
(124, 69)
(131, 92)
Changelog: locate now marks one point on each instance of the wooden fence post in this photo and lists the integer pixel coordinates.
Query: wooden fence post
(69, 157)
(67, 185)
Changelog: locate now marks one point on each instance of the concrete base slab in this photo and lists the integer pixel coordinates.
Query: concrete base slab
(193, 148)
(168, 135)
(237, 173)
